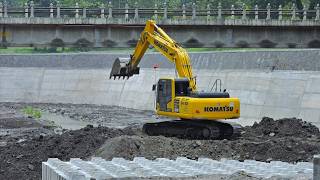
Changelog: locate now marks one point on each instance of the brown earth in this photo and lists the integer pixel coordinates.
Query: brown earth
(289, 140)
(22, 160)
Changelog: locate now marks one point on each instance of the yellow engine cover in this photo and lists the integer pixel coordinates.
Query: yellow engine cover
(203, 108)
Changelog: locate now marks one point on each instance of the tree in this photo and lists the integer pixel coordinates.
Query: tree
(42, 3)
(299, 4)
(313, 3)
(274, 3)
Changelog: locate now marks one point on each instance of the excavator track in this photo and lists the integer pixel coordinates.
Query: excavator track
(193, 129)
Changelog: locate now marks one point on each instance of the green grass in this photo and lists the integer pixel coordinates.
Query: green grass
(30, 111)
(15, 50)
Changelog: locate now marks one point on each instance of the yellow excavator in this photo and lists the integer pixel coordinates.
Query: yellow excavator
(200, 114)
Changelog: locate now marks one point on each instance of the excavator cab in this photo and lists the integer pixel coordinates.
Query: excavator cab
(170, 88)
(164, 95)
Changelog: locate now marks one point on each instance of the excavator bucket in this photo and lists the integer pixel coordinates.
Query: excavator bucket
(122, 69)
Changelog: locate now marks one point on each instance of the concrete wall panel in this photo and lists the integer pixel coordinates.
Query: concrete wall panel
(311, 114)
(279, 112)
(311, 100)
(92, 87)
(263, 92)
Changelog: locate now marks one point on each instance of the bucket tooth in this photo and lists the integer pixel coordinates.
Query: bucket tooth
(121, 68)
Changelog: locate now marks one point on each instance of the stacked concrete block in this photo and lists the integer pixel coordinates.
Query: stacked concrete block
(139, 167)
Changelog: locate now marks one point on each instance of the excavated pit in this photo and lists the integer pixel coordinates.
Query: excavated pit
(26, 141)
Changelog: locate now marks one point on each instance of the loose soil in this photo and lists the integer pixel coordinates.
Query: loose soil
(28, 142)
(290, 140)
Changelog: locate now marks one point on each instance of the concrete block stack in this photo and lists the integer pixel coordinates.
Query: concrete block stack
(98, 168)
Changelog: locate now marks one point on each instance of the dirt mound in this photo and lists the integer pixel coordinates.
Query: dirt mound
(283, 128)
(288, 149)
(153, 147)
(288, 140)
(23, 160)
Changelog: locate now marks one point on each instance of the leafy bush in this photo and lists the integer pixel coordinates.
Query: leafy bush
(30, 111)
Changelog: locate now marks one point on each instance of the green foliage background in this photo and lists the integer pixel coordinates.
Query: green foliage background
(174, 3)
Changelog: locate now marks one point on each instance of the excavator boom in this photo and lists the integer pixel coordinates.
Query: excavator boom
(155, 36)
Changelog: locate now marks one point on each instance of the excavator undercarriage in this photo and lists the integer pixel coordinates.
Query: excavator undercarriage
(193, 129)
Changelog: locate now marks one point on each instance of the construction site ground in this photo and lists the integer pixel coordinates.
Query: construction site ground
(82, 131)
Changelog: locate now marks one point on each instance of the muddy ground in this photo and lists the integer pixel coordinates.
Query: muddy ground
(25, 142)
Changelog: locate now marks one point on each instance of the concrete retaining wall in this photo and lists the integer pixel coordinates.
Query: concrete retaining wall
(276, 59)
(263, 92)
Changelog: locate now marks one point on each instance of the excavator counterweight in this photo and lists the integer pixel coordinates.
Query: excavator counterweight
(201, 114)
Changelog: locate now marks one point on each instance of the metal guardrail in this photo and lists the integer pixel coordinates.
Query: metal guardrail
(57, 10)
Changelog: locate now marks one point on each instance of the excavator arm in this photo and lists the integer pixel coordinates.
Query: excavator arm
(155, 36)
